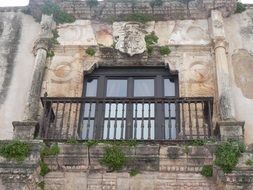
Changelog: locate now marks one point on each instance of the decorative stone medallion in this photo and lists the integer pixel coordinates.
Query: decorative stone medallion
(130, 38)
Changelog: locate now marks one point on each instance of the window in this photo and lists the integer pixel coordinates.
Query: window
(123, 103)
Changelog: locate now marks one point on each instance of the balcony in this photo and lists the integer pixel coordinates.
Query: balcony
(170, 119)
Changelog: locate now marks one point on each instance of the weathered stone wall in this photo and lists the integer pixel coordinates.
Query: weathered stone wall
(160, 166)
(123, 181)
(17, 35)
(169, 10)
(17, 175)
(239, 34)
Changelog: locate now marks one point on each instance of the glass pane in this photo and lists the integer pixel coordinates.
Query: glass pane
(170, 129)
(89, 110)
(148, 110)
(114, 129)
(144, 87)
(87, 129)
(112, 109)
(169, 87)
(116, 88)
(91, 88)
(148, 128)
(170, 111)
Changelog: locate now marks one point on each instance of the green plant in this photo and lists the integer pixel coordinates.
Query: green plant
(113, 158)
(50, 8)
(133, 172)
(165, 50)
(227, 154)
(197, 142)
(249, 162)
(90, 51)
(15, 149)
(139, 17)
(72, 141)
(48, 151)
(151, 39)
(150, 49)
(91, 143)
(186, 149)
(53, 41)
(44, 169)
(50, 53)
(207, 171)
(41, 185)
(240, 7)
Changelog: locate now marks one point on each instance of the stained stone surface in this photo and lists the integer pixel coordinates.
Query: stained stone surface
(17, 39)
(238, 29)
(78, 33)
(242, 62)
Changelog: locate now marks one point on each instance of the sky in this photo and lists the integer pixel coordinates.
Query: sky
(6, 3)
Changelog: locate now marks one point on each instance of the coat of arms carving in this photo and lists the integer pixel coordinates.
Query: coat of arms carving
(130, 38)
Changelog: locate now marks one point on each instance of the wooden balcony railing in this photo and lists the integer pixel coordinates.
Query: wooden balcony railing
(123, 118)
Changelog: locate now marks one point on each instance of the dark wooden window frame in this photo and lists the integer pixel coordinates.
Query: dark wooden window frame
(157, 73)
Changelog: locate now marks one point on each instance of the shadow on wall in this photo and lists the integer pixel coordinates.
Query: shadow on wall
(244, 70)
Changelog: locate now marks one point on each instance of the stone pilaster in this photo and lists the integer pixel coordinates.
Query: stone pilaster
(40, 49)
(223, 81)
(222, 71)
(227, 127)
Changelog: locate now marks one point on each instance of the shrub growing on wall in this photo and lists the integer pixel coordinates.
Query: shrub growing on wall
(227, 155)
(165, 50)
(113, 158)
(90, 51)
(240, 7)
(14, 149)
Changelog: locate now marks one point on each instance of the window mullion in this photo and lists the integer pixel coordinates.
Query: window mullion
(99, 118)
(129, 109)
(159, 114)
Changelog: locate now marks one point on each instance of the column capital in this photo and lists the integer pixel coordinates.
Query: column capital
(220, 43)
(41, 43)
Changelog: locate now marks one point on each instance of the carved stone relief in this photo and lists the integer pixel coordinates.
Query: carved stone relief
(217, 24)
(103, 34)
(163, 30)
(189, 32)
(197, 75)
(77, 33)
(129, 37)
(64, 76)
(47, 25)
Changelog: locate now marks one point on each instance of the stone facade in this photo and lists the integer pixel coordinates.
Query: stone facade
(206, 51)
